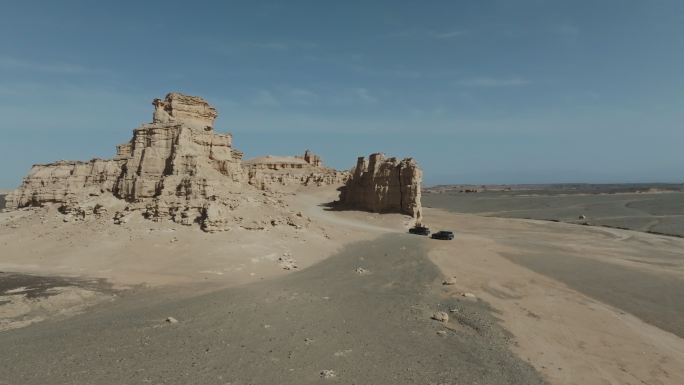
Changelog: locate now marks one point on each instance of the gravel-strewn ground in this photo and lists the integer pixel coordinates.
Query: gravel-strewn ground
(327, 323)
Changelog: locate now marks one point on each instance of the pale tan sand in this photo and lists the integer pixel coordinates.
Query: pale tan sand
(161, 253)
(19, 311)
(153, 254)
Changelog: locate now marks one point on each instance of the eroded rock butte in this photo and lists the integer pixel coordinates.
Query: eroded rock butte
(178, 168)
(380, 184)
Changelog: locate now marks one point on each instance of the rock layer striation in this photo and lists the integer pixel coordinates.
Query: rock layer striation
(382, 185)
(272, 172)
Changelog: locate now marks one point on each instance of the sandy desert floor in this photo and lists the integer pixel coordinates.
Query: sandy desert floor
(657, 212)
(531, 302)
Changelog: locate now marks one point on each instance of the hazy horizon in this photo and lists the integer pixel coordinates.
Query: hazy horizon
(487, 92)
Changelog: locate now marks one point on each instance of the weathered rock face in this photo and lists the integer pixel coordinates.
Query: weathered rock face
(269, 172)
(168, 159)
(271, 180)
(384, 185)
(65, 182)
(175, 167)
(178, 167)
(190, 111)
(311, 158)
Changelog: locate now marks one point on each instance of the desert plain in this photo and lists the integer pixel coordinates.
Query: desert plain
(528, 301)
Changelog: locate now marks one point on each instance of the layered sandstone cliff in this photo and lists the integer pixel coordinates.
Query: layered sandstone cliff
(271, 172)
(176, 167)
(383, 185)
(66, 181)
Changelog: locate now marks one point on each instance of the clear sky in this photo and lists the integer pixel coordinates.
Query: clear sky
(478, 91)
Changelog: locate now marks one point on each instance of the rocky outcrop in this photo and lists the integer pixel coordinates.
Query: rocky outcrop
(384, 185)
(66, 182)
(176, 167)
(270, 172)
(311, 158)
(191, 111)
(177, 170)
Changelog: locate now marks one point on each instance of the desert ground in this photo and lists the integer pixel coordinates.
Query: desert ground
(660, 212)
(529, 301)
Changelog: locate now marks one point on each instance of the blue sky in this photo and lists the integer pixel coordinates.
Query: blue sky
(525, 91)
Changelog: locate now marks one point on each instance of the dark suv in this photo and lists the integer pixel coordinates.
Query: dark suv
(446, 235)
(420, 230)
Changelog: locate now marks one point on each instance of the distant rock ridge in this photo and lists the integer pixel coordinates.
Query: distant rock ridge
(380, 184)
(178, 168)
(269, 172)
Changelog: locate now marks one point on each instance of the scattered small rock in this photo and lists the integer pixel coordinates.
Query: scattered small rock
(287, 262)
(440, 316)
(342, 353)
(99, 209)
(327, 373)
(361, 271)
(121, 217)
(171, 320)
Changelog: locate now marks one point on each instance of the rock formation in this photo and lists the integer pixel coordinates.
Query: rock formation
(311, 158)
(191, 111)
(177, 164)
(384, 185)
(177, 167)
(65, 181)
(268, 172)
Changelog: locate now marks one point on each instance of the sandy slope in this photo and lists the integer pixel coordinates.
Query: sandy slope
(161, 253)
(143, 252)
